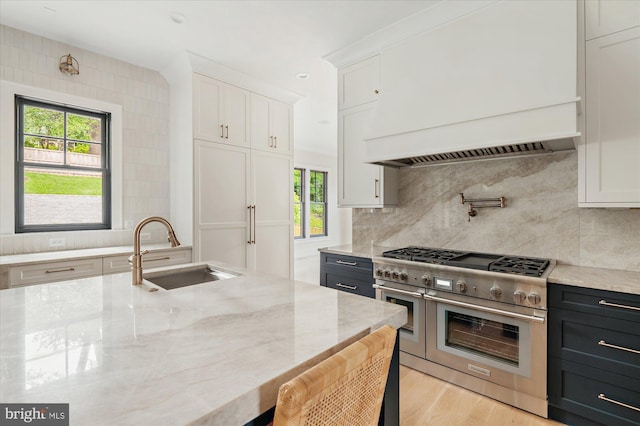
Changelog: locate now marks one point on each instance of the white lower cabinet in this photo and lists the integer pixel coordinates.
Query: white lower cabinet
(243, 208)
(361, 184)
(47, 272)
(120, 263)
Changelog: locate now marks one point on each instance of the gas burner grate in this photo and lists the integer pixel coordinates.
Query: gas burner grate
(520, 265)
(423, 254)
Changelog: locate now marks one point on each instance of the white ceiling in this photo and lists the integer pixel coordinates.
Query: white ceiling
(269, 40)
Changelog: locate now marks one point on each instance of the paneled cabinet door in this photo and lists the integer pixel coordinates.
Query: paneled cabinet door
(612, 148)
(605, 17)
(360, 184)
(272, 176)
(221, 201)
(271, 124)
(220, 112)
(359, 83)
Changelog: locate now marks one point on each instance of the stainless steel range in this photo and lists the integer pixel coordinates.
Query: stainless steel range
(477, 320)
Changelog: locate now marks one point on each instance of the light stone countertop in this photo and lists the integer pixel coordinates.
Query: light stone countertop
(367, 251)
(52, 256)
(598, 278)
(213, 353)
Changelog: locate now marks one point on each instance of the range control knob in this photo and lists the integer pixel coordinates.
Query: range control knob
(496, 292)
(461, 286)
(379, 272)
(534, 298)
(404, 276)
(519, 296)
(387, 273)
(426, 279)
(395, 275)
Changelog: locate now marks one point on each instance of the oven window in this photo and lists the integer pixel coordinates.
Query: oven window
(486, 338)
(409, 305)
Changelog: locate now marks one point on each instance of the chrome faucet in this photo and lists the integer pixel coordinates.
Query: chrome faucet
(136, 258)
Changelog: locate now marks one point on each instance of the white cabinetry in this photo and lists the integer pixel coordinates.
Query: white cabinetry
(221, 112)
(243, 211)
(47, 272)
(610, 155)
(609, 16)
(360, 184)
(154, 259)
(271, 125)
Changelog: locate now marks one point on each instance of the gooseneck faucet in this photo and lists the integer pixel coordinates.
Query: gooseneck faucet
(136, 258)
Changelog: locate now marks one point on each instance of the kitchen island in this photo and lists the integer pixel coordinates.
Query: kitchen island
(212, 353)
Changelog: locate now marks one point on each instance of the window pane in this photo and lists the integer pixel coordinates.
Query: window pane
(43, 150)
(84, 154)
(298, 203)
(317, 219)
(72, 196)
(297, 221)
(297, 185)
(83, 128)
(41, 121)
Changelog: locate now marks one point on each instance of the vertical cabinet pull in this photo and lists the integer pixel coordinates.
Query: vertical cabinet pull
(376, 188)
(275, 141)
(227, 128)
(271, 141)
(253, 240)
(222, 130)
(250, 222)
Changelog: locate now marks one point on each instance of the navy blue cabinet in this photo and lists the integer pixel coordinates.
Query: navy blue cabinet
(594, 356)
(347, 273)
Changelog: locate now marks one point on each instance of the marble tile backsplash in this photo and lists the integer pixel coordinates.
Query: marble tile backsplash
(144, 96)
(541, 218)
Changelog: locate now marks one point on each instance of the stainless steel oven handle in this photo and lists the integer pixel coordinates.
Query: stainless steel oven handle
(484, 309)
(395, 290)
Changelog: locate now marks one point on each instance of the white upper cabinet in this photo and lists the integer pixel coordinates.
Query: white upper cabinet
(221, 112)
(271, 125)
(609, 16)
(359, 83)
(610, 157)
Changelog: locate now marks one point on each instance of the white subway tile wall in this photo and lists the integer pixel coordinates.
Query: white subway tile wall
(144, 96)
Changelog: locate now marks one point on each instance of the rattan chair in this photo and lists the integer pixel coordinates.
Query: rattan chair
(345, 389)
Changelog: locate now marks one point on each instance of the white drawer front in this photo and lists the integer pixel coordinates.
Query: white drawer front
(120, 263)
(54, 271)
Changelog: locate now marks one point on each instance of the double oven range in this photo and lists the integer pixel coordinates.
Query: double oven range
(477, 320)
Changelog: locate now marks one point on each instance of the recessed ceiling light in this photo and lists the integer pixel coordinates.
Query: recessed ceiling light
(302, 75)
(178, 17)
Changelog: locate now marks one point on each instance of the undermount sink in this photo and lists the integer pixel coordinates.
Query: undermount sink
(172, 279)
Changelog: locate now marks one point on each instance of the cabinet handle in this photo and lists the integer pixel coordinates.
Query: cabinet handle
(253, 240)
(155, 260)
(350, 287)
(271, 141)
(613, 401)
(227, 127)
(275, 141)
(377, 188)
(54, 271)
(342, 262)
(621, 348)
(249, 240)
(376, 91)
(615, 305)
(222, 130)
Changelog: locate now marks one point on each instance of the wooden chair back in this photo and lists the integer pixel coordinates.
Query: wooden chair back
(345, 389)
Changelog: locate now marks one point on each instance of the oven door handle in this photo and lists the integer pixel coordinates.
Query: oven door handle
(485, 309)
(395, 290)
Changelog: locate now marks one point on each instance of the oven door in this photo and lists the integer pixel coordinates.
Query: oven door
(506, 347)
(413, 333)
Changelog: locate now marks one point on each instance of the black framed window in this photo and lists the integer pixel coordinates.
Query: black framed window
(298, 203)
(63, 167)
(317, 203)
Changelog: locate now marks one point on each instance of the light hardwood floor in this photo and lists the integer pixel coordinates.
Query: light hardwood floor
(425, 400)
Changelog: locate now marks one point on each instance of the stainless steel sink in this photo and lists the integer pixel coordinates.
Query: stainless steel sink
(172, 279)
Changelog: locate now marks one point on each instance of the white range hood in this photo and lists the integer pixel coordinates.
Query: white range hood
(496, 82)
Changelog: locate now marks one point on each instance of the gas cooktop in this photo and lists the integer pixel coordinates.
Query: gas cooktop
(528, 266)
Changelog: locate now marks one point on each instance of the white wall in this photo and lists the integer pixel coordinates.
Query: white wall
(339, 220)
(143, 96)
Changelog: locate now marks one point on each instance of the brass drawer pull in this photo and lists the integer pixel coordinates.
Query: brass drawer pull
(613, 401)
(615, 305)
(622, 348)
(53, 271)
(160, 258)
(350, 287)
(342, 262)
